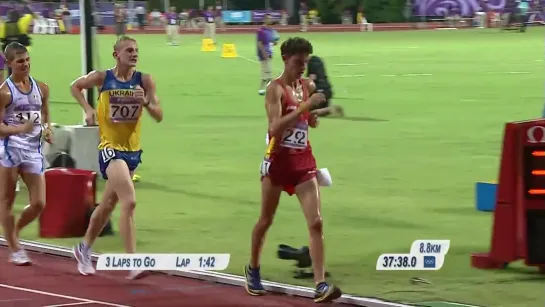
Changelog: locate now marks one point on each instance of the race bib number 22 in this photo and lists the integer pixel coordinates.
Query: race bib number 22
(295, 138)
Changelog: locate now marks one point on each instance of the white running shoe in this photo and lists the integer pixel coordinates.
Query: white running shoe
(85, 262)
(20, 257)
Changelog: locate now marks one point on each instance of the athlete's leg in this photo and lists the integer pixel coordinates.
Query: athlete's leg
(8, 177)
(99, 218)
(101, 215)
(308, 194)
(35, 184)
(270, 197)
(32, 173)
(120, 180)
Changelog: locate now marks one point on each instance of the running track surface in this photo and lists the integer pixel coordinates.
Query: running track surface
(54, 281)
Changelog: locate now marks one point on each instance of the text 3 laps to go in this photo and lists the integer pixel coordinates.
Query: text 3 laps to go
(163, 262)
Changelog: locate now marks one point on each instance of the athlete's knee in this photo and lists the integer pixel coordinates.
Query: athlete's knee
(265, 221)
(108, 202)
(37, 205)
(6, 206)
(128, 205)
(316, 224)
(5, 210)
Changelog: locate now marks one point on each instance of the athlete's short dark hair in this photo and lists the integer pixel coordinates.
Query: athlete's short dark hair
(295, 45)
(13, 49)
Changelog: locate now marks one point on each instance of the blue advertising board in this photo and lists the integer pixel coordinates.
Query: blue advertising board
(236, 16)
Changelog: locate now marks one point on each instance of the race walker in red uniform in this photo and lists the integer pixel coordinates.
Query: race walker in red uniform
(289, 164)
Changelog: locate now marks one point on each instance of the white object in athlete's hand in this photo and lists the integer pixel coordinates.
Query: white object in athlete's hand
(324, 177)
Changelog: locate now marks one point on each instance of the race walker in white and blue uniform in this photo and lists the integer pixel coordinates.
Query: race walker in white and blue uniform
(25, 122)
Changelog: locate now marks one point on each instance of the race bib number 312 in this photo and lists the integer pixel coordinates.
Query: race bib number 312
(295, 138)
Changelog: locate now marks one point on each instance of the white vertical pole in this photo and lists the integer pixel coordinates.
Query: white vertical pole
(83, 38)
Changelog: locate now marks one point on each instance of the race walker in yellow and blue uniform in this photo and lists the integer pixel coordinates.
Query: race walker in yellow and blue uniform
(124, 94)
(119, 121)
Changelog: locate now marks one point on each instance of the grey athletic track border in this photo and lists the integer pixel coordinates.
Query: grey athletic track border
(218, 277)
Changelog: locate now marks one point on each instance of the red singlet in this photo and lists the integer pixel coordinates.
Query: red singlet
(289, 160)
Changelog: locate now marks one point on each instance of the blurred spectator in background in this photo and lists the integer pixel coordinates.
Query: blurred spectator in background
(479, 20)
(172, 26)
(193, 19)
(266, 39)
(155, 18)
(313, 17)
(16, 27)
(141, 16)
(536, 10)
(284, 17)
(209, 24)
(408, 11)
(97, 17)
(66, 18)
(218, 17)
(303, 13)
(120, 16)
(523, 8)
(184, 18)
(508, 13)
(452, 17)
(362, 21)
(347, 18)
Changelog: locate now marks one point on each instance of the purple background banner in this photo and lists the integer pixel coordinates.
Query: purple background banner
(257, 16)
(465, 8)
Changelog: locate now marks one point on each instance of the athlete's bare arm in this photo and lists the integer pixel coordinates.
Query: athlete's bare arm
(313, 118)
(311, 86)
(46, 119)
(44, 89)
(5, 100)
(89, 81)
(273, 105)
(151, 102)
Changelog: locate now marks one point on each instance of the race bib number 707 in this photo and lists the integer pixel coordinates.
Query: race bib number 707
(125, 112)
